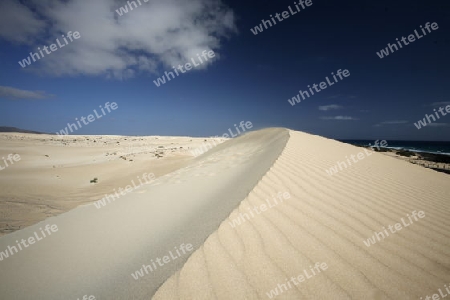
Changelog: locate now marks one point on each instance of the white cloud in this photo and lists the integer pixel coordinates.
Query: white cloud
(330, 107)
(340, 118)
(16, 94)
(155, 35)
(18, 23)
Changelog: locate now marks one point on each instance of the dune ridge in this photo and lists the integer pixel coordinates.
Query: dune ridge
(326, 220)
(95, 251)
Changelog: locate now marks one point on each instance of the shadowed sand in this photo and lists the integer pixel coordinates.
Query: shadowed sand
(326, 220)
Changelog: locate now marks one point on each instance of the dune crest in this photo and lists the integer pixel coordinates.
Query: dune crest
(327, 220)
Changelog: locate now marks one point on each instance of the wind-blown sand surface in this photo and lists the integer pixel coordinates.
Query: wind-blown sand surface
(325, 220)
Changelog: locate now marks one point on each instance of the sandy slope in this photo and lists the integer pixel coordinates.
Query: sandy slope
(95, 251)
(326, 220)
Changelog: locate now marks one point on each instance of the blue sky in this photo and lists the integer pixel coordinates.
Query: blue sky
(117, 58)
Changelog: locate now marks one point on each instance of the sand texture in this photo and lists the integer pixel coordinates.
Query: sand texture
(197, 200)
(326, 220)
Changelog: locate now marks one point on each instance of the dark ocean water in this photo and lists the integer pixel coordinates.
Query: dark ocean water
(430, 147)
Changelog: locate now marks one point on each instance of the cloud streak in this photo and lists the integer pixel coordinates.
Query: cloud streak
(395, 122)
(17, 94)
(440, 103)
(330, 107)
(438, 124)
(339, 118)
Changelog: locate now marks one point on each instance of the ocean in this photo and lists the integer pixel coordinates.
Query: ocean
(429, 147)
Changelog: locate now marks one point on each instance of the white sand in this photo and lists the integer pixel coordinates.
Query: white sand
(326, 220)
(95, 251)
(54, 173)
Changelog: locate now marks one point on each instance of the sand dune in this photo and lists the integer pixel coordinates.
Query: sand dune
(96, 251)
(326, 220)
(307, 224)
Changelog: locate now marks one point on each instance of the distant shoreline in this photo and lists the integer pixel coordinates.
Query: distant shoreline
(424, 147)
(436, 162)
